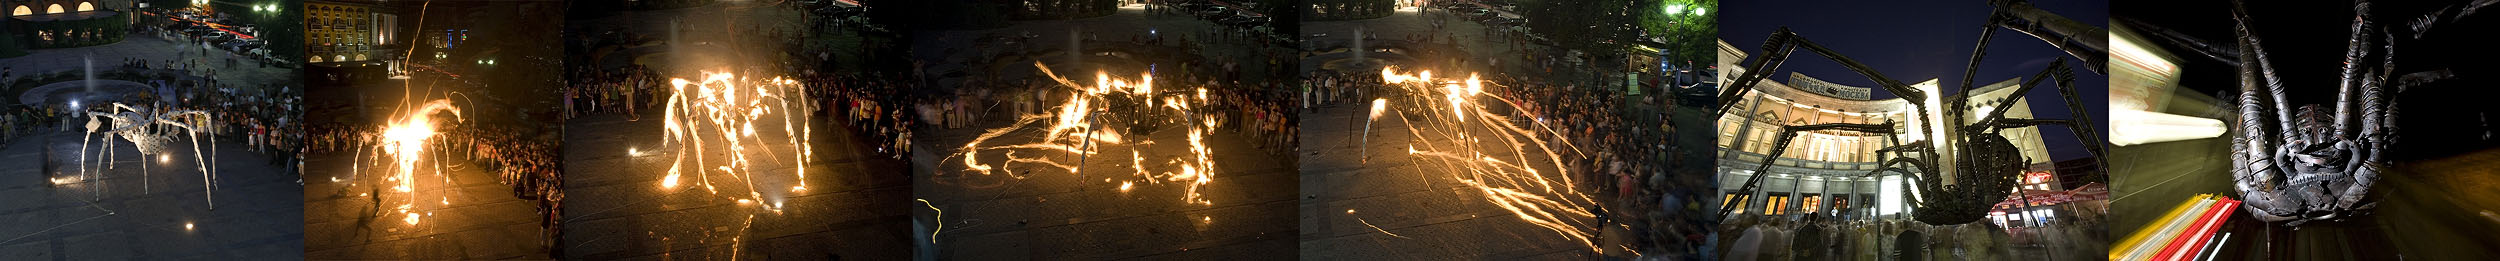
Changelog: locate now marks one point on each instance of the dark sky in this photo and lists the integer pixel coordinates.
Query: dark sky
(1919, 40)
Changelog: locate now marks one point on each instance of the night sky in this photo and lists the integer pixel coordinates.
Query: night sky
(1913, 42)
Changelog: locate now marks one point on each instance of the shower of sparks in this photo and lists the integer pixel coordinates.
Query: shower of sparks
(405, 139)
(1088, 124)
(1438, 113)
(722, 107)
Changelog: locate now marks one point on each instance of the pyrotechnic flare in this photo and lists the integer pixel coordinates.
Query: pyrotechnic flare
(1515, 185)
(405, 139)
(1378, 106)
(1078, 128)
(725, 107)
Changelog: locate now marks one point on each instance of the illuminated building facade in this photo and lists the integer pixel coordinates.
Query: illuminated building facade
(38, 24)
(19, 8)
(348, 31)
(1827, 172)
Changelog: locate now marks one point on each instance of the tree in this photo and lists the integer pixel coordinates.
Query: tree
(1690, 28)
(1598, 27)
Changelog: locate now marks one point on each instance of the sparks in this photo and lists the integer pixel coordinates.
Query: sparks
(1473, 152)
(1081, 129)
(726, 108)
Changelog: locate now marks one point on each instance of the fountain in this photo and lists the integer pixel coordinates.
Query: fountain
(1076, 47)
(1359, 51)
(90, 66)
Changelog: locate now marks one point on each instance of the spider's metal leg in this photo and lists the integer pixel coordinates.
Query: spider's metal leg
(1775, 52)
(2265, 66)
(2227, 55)
(2354, 49)
(2255, 175)
(2084, 41)
(208, 183)
(2377, 119)
(2422, 26)
(2065, 77)
(84, 140)
(1986, 32)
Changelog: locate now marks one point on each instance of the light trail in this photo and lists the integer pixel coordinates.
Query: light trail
(1087, 124)
(404, 139)
(725, 108)
(1368, 223)
(1438, 114)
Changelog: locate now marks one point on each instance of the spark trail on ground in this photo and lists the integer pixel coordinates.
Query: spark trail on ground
(1453, 129)
(1089, 123)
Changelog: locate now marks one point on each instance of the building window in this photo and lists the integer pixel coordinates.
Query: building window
(1727, 131)
(1730, 199)
(86, 6)
(54, 9)
(1813, 203)
(1776, 206)
(22, 10)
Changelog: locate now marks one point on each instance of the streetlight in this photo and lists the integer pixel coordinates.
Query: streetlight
(1674, 9)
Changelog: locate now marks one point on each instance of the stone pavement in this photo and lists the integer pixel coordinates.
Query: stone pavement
(468, 215)
(854, 208)
(161, 214)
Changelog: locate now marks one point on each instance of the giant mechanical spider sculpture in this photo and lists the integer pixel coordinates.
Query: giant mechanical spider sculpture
(2302, 164)
(1987, 164)
(151, 132)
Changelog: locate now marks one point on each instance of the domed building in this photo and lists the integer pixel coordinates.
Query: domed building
(1828, 172)
(39, 24)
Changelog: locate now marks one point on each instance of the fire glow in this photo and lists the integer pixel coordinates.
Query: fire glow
(725, 108)
(404, 140)
(1438, 113)
(1087, 124)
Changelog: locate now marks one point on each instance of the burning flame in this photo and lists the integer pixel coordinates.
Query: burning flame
(1084, 127)
(725, 107)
